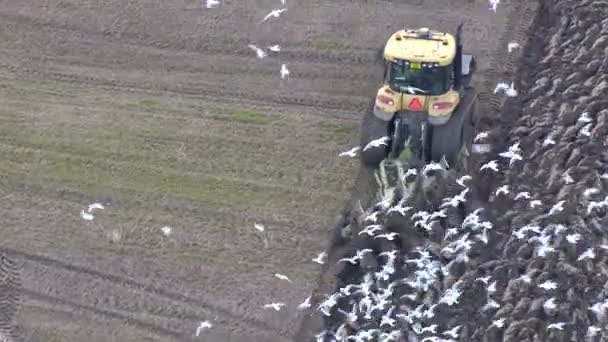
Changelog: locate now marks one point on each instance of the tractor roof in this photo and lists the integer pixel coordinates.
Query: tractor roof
(421, 45)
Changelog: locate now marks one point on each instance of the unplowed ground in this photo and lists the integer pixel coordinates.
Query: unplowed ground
(159, 110)
(503, 267)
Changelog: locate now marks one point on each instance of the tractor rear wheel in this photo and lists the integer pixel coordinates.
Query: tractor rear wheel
(449, 138)
(373, 128)
(399, 133)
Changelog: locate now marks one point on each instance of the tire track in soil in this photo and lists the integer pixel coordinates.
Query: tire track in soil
(521, 15)
(10, 297)
(130, 284)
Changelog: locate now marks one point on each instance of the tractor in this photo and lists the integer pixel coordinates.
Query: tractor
(426, 103)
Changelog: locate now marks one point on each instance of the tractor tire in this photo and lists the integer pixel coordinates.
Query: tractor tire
(448, 139)
(373, 128)
(399, 133)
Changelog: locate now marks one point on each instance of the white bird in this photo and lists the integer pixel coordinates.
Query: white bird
(373, 217)
(350, 153)
(573, 238)
(274, 48)
(401, 210)
(558, 326)
(592, 331)
(166, 230)
(586, 130)
(386, 318)
(502, 190)
(431, 167)
(512, 156)
(202, 326)
(275, 306)
(587, 254)
(282, 277)
(274, 13)
(258, 52)
(212, 3)
(590, 192)
(548, 141)
(258, 226)
(491, 304)
(481, 136)
(522, 195)
(507, 88)
(370, 230)
(86, 216)
(499, 322)
(95, 206)
(460, 181)
(525, 278)
(557, 207)
(412, 90)
(567, 178)
(453, 333)
(455, 200)
(390, 337)
(584, 118)
(492, 4)
(305, 304)
(484, 280)
(549, 304)
(388, 236)
(535, 203)
(512, 45)
(548, 285)
(319, 259)
(376, 143)
(492, 165)
(492, 287)
(284, 71)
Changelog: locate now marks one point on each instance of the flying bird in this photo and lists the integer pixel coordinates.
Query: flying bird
(275, 306)
(460, 181)
(573, 238)
(319, 259)
(259, 52)
(587, 254)
(274, 48)
(453, 333)
(499, 322)
(548, 285)
(591, 191)
(584, 118)
(86, 216)
(258, 226)
(586, 130)
(558, 326)
(557, 207)
(212, 4)
(512, 45)
(284, 71)
(548, 141)
(350, 153)
(274, 13)
(95, 206)
(502, 190)
(481, 136)
(166, 230)
(370, 230)
(282, 277)
(431, 167)
(202, 326)
(508, 89)
(376, 143)
(549, 304)
(388, 236)
(535, 203)
(567, 178)
(522, 195)
(492, 165)
(305, 304)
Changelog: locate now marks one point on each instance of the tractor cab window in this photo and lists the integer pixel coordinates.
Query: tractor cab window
(413, 78)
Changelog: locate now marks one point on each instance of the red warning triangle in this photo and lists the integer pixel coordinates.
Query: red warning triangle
(415, 104)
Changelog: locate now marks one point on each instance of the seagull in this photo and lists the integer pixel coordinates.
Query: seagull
(401, 210)
(412, 90)
(548, 285)
(453, 333)
(558, 326)
(274, 13)
(481, 136)
(456, 200)
(507, 88)
(587, 254)
(492, 287)
(550, 304)
(484, 280)
(499, 322)
(373, 217)
(305, 304)
(350, 153)
(592, 331)
(388, 236)
(512, 156)
(573, 238)
(584, 118)
(274, 48)
(319, 259)
(523, 194)
(284, 71)
(431, 167)
(567, 178)
(202, 326)
(258, 226)
(275, 306)
(492, 165)
(95, 206)
(86, 216)
(387, 320)
(212, 4)
(376, 143)
(259, 52)
(548, 141)
(512, 45)
(369, 230)
(558, 207)
(591, 191)
(492, 4)
(502, 190)
(535, 203)
(166, 230)
(460, 181)
(282, 277)
(586, 130)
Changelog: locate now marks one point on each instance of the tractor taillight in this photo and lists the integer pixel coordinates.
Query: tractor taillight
(386, 100)
(442, 105)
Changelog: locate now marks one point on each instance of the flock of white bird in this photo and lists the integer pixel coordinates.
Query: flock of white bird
(376, 291)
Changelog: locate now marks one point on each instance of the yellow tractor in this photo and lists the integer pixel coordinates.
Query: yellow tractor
(426, 102)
